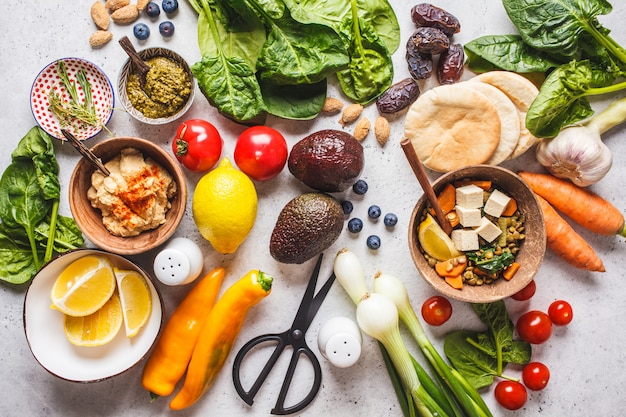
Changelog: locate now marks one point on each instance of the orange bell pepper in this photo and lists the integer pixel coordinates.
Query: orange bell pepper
(168, 362)
(218, 334)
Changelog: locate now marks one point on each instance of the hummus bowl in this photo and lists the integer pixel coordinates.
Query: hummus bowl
(46, 338)
(531, 249)
(90, 219)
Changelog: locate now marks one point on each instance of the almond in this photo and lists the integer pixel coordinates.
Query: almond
(351, 114)
(141, 4)
(99, 15)
(99, 38)
(362, 129)
(125, 15)
(381, 130)
(332, 105)
(114, 5)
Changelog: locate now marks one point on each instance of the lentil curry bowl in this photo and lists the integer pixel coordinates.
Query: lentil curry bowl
(482, 235)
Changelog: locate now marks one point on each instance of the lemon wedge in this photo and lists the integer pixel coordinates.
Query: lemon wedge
(98, 328)
(136, 299)
(84, 286)
(434, 241)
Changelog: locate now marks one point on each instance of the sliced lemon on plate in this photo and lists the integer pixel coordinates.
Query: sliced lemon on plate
(136, 299)
(434, 241)
(84, 286)
(98, 328)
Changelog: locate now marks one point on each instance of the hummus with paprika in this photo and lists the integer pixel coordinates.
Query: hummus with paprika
(135, 197)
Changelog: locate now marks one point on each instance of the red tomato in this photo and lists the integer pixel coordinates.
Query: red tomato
(560, 313)
(436, 310)
(525, 293)
(261, 152)
(197, 145)
(535, 376)
(534, 327)
(510, 394)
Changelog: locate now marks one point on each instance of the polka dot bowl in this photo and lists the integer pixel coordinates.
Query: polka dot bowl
(48, 80)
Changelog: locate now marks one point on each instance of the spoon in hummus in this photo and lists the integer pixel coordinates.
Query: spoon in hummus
(140, 66)
(84, 151)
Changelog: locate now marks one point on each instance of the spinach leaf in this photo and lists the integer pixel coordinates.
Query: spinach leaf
(556, 26)
(478, 368)
(505, 52)
(371, 70)
(67, 234)
(17, 264)
(562, 98)
(491, 264)
(296, 102)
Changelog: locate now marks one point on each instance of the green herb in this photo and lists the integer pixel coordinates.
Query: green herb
(31, 230)
(482, 356)
(487, 261)
(565, 39)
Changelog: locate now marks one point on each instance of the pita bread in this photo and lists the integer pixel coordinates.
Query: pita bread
(526, 139)
(509, 121)
(452, 126)
(520, 90)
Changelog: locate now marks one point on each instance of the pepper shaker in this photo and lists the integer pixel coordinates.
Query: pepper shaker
(179, 263)
(339, 341)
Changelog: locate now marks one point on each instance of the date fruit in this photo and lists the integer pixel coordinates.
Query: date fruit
(399, 96)
(425, 14)
(450, 65)
(420, 64)
(430, 40)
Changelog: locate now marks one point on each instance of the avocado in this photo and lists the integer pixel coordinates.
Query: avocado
(306, 226)
(328, 160)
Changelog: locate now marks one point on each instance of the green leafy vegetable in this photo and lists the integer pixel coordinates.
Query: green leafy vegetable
(31, 229)
(481, 356)
(487, 261)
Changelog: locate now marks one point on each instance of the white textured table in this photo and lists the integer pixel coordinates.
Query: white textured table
(586, 359)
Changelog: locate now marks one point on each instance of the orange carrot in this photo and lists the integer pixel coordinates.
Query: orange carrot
(484, 184)
(565, 242)
(455, 282)
(449, 269)
(447, 198)
(582, 206)
(510, 208)
(511, 270)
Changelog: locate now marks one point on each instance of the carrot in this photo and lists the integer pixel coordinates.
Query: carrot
(447, 198)
(582, 206)
(449, 268)
(484, 184)
(565, 242)
(510, 208)
(510, 271)
(455, 282)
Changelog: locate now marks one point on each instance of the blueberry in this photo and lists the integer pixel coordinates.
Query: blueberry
(390, 219)
(141, 31)
(347, 207)
(360, 187)
(153, 9)
(373, 212)
(169, 6)
(373, 242)
(355, 225)
(166, 29)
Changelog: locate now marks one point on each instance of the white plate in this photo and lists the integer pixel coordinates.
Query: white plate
(47, 341)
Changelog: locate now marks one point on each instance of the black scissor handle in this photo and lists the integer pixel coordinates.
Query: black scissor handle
(281, 342)
(279, 408)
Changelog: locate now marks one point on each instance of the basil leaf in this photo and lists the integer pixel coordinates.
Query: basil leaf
(476, 366)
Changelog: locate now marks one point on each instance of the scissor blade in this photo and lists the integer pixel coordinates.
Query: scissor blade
(310, 304)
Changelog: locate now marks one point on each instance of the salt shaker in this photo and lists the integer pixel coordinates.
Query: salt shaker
(339, 341)
(179, 263)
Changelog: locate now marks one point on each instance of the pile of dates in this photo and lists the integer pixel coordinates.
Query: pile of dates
(433, 36)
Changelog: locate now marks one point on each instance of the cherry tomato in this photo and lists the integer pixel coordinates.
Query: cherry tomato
(535, 376)
(436, 310)
(510, 394)
(534, 327)
(261, 152)
(525, 293)
(197, 145)
(560, 313)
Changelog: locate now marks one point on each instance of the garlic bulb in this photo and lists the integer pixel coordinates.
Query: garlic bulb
(576, 153)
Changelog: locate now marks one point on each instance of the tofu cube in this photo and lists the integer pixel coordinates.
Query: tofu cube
(465, 239)
(468, 217)
(496, 203)
(487, 230)
(469, 196)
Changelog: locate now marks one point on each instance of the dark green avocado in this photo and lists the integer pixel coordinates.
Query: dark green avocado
(306, 226)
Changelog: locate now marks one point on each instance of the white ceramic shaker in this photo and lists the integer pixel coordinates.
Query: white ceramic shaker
(179, 263)
(339, 341)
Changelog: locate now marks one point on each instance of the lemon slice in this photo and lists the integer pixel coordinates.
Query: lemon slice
(98, 328)
(136, 299)
(435, 242)
(84, 286)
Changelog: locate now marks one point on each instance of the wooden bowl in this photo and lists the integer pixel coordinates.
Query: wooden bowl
(531, 252)
(89, 219)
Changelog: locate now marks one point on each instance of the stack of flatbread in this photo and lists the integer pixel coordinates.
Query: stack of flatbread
(479, 121)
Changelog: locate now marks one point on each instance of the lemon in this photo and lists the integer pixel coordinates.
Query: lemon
(435, 242)
(84, 286)
(224, 207)
(136, 299)
(98, 328)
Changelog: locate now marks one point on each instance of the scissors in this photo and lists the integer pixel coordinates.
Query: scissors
(293, 337)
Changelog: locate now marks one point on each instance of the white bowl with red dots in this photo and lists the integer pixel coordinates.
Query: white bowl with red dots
(48, 80)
